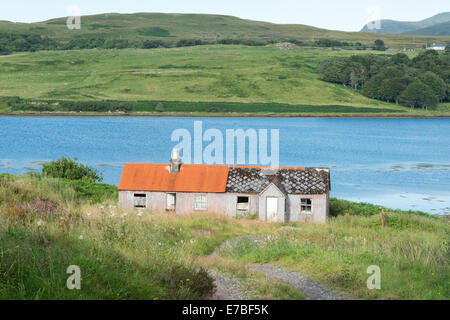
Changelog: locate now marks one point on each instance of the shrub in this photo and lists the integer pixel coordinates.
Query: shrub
(67, 168)
(160, 107)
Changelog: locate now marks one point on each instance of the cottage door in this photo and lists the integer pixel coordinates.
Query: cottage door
(170, 201)
(272, 209)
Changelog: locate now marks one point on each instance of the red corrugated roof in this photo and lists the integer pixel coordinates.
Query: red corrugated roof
(191, 178)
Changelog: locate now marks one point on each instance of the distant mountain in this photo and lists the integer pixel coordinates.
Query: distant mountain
(434, 26)
(441, 29)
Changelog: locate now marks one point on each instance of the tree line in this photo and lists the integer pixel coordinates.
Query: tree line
(10, 42)
(14, 42)
(420, 82)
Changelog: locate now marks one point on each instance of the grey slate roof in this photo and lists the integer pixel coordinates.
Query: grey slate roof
(306, 181)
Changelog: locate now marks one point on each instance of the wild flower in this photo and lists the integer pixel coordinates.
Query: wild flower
(43, 209)
(81, 237)
(39, 223)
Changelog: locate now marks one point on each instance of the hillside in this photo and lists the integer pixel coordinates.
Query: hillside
(256, 79)
(206, 79)
(407, 27)
(174, 27)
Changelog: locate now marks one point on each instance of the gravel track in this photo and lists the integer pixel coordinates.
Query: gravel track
(308, 287)
(229, 288)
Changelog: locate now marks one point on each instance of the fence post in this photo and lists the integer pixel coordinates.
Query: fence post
(382, 218)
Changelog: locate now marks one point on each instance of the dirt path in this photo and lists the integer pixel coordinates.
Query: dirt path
(228, 288)
(310, 288)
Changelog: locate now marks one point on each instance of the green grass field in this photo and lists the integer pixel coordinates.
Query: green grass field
(238, 74)
(127, 254)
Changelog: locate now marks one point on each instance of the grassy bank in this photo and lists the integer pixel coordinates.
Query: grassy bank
(49, 224)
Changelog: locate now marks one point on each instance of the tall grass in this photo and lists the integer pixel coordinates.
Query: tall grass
(120, 258)
(412, 252)
(47, 225)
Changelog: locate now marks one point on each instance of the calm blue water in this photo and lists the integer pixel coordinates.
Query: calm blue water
(397, 163)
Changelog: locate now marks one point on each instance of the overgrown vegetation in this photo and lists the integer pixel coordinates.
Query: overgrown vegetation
(44, 229)
(421, 82)
(47, 224)
(411, 251)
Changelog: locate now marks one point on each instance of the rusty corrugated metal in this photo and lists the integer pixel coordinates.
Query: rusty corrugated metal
(156, 177)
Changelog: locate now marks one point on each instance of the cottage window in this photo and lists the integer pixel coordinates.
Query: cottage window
(306, 205)
(200, 203)
(242, 205)
(170, 201)
(140, 200)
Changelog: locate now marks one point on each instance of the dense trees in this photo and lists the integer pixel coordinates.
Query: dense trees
(10, 42)
(14, 42)
(418, 95)
(391, 89)
(26, 42)
(332, 43)
(379, 45)
(422, 82)
(436, 84)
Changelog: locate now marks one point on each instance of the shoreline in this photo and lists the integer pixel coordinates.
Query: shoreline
(231, 115)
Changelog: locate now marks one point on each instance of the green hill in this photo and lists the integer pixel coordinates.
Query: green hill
(208, 74)
(174, 27)
(211, 79)
(407, 27)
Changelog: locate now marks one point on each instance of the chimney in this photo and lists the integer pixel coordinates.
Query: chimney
(175, 162)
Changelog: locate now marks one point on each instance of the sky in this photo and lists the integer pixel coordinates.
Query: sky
(345, 15)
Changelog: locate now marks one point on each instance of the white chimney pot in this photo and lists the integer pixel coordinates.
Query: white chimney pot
(175, 153)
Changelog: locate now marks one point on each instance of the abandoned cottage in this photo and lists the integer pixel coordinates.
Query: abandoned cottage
(275, 195)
